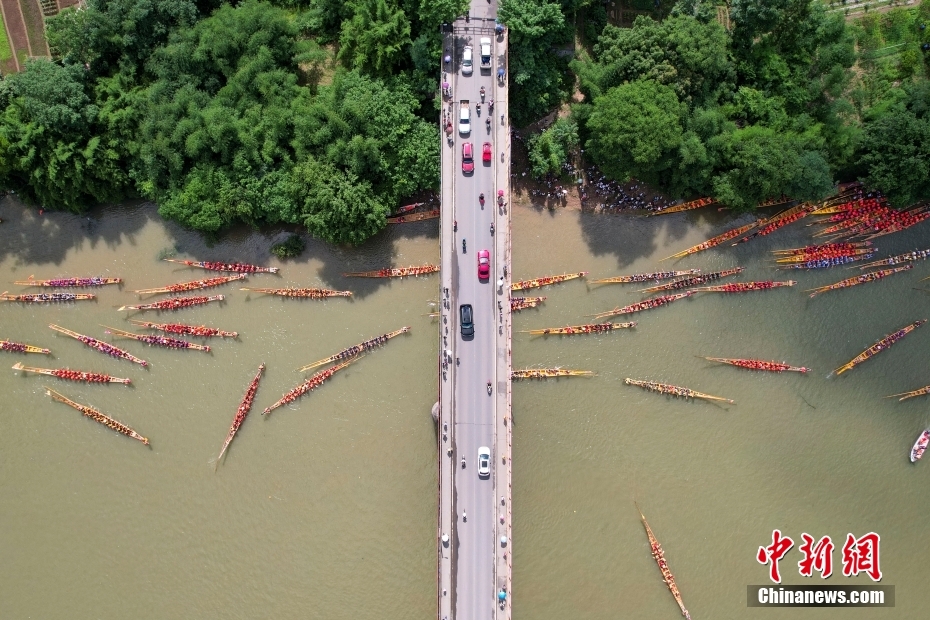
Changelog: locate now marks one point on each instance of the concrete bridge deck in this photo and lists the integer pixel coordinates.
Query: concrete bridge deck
(474, 564)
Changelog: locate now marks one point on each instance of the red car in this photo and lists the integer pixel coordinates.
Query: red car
(468, 163)
(486, 152)
(484, 264)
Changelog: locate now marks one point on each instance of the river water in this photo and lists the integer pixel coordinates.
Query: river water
(326, 509)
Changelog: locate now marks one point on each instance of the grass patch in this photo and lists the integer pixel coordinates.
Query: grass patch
(35, 26)
(6, 52)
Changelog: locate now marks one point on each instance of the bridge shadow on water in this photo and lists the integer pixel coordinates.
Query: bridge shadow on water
(35, 239)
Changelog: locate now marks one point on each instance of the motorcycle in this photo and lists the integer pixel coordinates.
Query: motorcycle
(482, 93)
(478, 109)
(463, 462)
(500, 198)
(489, 388)
(463, 247)
(481, 199)
(487, 123)
(492, 230)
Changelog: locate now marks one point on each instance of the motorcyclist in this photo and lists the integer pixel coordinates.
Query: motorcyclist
(463, 246)
(481, 198)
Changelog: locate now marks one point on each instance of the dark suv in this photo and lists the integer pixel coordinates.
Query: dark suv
(467, 321)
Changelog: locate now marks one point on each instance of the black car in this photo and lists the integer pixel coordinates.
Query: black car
(467, 321)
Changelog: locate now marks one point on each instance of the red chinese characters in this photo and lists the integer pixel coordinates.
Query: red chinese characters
(861, 556)
(775, 552)
(817, 557)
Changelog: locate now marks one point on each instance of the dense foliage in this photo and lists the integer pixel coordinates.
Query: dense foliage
(225, 113)
(782, 104)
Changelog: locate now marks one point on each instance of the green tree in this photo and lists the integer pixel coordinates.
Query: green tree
(549, 150)
(635, 130)
(374, 40)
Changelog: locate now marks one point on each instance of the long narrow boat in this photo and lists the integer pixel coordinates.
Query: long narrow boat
(866, 277)
(900, 259)
(522, 303)
(244, 407)
(898, 227)
(72, 375)
(646, 277)
(160, 341)
(18, 347)
(190, 330)
(93, 414)
(771, 202)
(572, 330)
(658, 554)
(99, 345)
(414, 217)
(358, 349)
(183, 287)
(744, 287)
(396, 272)
(307, 386)
(302, 293)
(548, 373)
(879, 346)
(674, 390)
(920, 446)
(686, 206)
(233, 267)
(823, 247)
(175, 303)
(826, 253)
(69, 282)
(780, 221)
(545, 281)
(715, 241)
(648, 304)
(757, 364)
(45, 298)
(408, 208)
(693, 281)
(905, 395)
(826, 263)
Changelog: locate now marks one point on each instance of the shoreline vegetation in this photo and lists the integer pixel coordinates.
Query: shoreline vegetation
(321, 114)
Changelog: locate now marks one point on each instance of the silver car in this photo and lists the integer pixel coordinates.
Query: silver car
(484, 461)
(467, 65)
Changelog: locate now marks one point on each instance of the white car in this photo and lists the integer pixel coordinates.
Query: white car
(467, 63)
(484, 461)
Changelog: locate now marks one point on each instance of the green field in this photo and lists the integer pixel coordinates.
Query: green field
(6, 52)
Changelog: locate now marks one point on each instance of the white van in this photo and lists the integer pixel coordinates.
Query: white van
(467, 61)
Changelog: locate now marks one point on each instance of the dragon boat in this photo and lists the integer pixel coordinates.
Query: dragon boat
(358, 349)
(693, 281)
(757, 364)
(244, 407)
(103, 347)
(183, 287)
(97, 416)
(826, 253)
(189, 330)
(658, 554)
(674, 390)
(647, 277)
(920, 446)
(72, 375)
(175, 303)
(69, 282)
(900, 259)
(715, 241)
(233, 267)
(780, 221)
(18, 347)
(309, 385)
(522, 303)
(912, 394)
(857, 280)
(571, 330)
(46, 298)
(548, 373)
(545, 281)
(878, 347)
(813, 249)
(160, 341)
(648, 304)
(826, 263)
(300, 293)
(396, 272)
(744, 287)
(686, 206)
